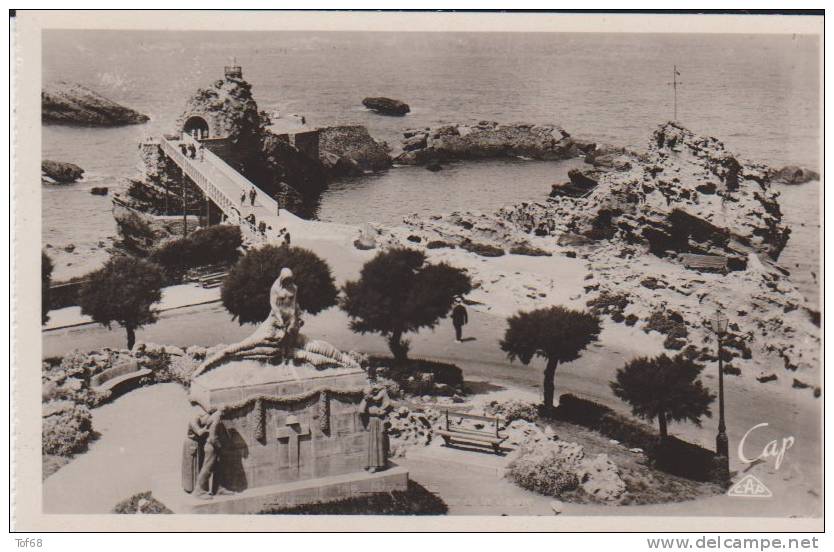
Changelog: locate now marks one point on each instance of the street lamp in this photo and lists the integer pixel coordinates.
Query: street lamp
(718, 324)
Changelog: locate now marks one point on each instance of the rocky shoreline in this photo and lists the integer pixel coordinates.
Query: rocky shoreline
(74, 104)
(632, 219)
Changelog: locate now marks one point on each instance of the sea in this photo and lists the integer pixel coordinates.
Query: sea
(759, 94)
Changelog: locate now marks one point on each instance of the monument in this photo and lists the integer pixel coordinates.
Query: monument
(281, 419)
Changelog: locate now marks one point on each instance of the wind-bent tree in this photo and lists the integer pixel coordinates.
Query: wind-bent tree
(555, 334)
(122, 291)
(246, 287)
(664, 388)
(399, 292)
(46, 281)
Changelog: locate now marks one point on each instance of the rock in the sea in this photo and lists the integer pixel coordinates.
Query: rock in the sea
(486, 140)
(386, 106)
(74, 104)
(351, 150)
(792, 174)
(60, 172)
(99, 190)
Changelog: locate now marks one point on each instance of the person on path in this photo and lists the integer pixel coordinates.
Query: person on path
(252, 195)
(243, 197)
(459, 319)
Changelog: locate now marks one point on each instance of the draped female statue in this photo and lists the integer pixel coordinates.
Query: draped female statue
(278, 339)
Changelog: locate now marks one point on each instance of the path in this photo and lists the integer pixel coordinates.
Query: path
(140, 433)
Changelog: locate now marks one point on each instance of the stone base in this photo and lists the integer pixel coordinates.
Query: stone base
(168, 490)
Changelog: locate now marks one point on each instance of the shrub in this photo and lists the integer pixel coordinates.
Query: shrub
(245, 291)
(213, 245)
(482, 249)
(150, 505)
(608, 303)
(438, 244)
(529, 250)
(66, 429)
(669, 323)
(400, 371)
(543, 470)
(512, 410)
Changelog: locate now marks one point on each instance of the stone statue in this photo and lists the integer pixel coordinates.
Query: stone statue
(192, 450)
(278, 338)
(374, 407)
(211, 450)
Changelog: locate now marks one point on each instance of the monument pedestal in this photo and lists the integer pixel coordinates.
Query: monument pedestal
(292, 434)
(251, 501)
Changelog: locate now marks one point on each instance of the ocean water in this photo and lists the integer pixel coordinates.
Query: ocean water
(759, 94)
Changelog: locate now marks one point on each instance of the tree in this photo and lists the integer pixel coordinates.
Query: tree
(664, 388)
(122, 291)
(555, 334)
(246, 287)
(399, 292)
(46, 281)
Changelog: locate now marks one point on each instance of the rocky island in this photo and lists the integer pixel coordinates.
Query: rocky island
(387, 106)
(487, 139)
(74, 104)
(58, 172)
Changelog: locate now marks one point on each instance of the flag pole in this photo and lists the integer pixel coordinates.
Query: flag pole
(675, 89)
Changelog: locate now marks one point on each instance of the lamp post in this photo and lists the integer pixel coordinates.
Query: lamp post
(718, 324)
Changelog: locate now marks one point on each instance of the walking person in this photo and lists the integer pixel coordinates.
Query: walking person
(242, 197)
(252, 195)
(459, 318)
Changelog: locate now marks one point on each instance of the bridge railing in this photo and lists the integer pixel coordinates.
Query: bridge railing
(226, 204)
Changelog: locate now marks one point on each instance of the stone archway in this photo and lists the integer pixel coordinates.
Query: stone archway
(197, 127)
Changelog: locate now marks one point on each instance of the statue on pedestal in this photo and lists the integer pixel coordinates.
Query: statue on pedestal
(278, 338)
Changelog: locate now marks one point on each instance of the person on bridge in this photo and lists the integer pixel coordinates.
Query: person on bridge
(252, 195)
(192, 151)
(200, 151)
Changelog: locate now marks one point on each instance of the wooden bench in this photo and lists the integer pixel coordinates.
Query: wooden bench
(473, 436)
(212, 280)
(705, 262)
(119, 378)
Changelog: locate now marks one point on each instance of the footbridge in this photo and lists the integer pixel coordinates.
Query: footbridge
(224, 186)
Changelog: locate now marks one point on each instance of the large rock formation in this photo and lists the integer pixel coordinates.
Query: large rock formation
(74, 104)
(386, 106)
(60, 172)
(484, 140)
(635, 228)
(350, 150)
(225, 116)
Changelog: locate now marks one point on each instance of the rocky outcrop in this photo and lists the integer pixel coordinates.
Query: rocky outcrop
(73, 104)
(634, 230)
(485, 140)
(350, 150)
(60, 172)
(386, 106)
(791, 174)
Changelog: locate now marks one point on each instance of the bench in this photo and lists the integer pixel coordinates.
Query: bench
(473, 436)
(119, 378)
(705, 262)
(213, 280)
